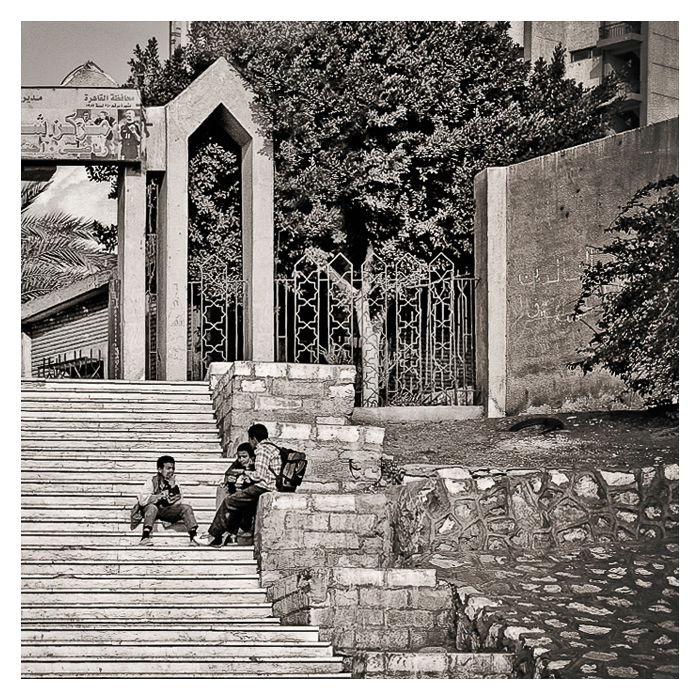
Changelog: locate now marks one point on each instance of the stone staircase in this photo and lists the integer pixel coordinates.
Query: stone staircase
(93, 603)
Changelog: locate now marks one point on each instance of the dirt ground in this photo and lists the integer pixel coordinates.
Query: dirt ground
(609, 440)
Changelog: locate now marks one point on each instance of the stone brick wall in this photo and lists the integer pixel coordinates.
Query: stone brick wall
(281, 391)
(305, 407)
(296, 531)
(526, 509)
(368, 608)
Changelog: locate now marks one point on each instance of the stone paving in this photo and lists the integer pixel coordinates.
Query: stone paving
(605, 611)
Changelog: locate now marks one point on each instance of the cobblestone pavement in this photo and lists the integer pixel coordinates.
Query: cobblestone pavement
(608, 611)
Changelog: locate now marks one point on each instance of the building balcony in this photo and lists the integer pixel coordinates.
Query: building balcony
(619, 36)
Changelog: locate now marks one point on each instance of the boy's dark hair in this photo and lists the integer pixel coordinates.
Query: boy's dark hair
(246, 447)
(258, 431)
(163, 459)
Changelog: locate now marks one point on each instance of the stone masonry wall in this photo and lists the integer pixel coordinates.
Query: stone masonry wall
(533, 509)
(368, 608)
(296, 531)
(305, 407)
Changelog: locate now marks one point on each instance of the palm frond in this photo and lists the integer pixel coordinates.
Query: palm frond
(30, 191)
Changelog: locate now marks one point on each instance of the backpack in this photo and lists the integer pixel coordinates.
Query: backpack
(293, 469)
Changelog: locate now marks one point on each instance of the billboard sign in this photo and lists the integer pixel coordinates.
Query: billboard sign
(82, 124)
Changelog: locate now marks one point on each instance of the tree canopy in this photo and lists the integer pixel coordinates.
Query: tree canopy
(380, 127)
(631, 293)
(57, 249)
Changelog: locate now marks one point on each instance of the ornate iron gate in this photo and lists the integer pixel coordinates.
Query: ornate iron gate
(152, 191)
(406, 324)
(216, 319)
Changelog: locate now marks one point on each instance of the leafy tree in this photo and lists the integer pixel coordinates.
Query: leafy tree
(380, 127)
(57, 249)
(632, 294)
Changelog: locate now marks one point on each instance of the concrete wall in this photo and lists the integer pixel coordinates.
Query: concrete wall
(662, 72)
(536, 223)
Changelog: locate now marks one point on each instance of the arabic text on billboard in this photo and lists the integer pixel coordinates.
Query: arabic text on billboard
(82, 124)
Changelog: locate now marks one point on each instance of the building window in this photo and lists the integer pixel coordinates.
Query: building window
(583, 54)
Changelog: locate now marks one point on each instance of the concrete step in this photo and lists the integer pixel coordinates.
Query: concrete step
(419, 664)
(226, 649)
(115, 406)
(192, 633)
(136, 451)
(62, 446)
(61, 569)
(145, 611)
(126, 538)
(169, 596)
(135, 462)
(114, 528)
(79, 385)
(127, 488)
(143, 420)
(90, 512)
(79, 498)
(127, 552)
(97, 395)
(225, 583)
(186, 667)
(93, 471)
(82, 434)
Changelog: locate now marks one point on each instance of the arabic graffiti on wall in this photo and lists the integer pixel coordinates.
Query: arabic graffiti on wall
(82, 124)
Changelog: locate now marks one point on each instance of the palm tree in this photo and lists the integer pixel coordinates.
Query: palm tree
(57, 249)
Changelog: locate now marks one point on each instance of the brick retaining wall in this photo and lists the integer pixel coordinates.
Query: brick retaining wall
(296, 531)
(368, 608)
(305, 407)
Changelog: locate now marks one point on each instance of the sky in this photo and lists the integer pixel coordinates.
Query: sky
(51, 50)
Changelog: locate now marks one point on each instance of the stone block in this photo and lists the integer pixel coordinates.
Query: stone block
(373, 435)
(242, 368)
(375, 545)
(430, 599)
(256, 386)
(381, 639)
(303, 371)
(334, 502)
(322, 617)
(618, 478)
(342, 391)
(384, 598)
(270, 369)
(240, 402)
(285, 387)
(411, 577)
(370, 561)
(331, 420)
(410, 618)
(287, 501)
(325, 406)
(276, 403)
(293, 431)
(351, 522)
(371, 503)
(346, 373)
(341, 433)
(352, 576)
(345, 597)
(417, 663)
(331, 540)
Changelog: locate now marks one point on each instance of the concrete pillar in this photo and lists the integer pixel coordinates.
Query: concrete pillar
(490, 240)
(257, 175)
(131, 223)
(26, 355)
(172, 261)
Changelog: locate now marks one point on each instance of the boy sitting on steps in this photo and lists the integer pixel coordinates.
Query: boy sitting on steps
(160, 499)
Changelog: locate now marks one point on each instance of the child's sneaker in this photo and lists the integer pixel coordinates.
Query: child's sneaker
(146, 542)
